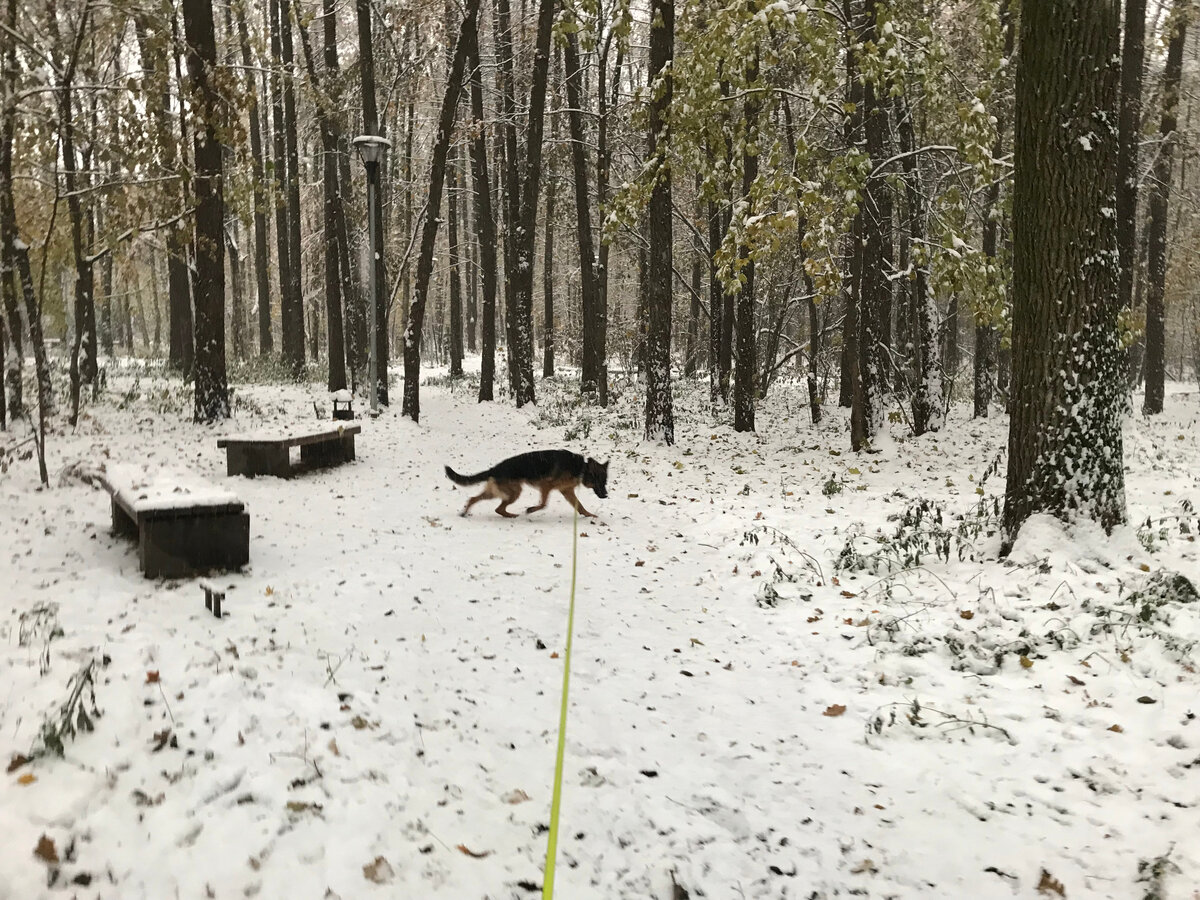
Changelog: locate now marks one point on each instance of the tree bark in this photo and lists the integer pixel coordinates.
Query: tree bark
(1156, 227)
(607, 97)
(510, 178)
(548, 275)
(456, 304)
(467, 37)
(1133, 61)
(280, 177)
(485, 223)
(211, 386)
(1065, 446)
(262, 282)
(12, 373)
(745, 380)
(660, 412)
(292, 307)
(594, 314)
(366, 61)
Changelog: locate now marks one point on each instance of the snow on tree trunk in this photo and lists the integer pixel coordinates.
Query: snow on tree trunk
(1068, 391)
(660, 414)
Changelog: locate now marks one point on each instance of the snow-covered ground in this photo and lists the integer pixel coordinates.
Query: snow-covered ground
(376, 714)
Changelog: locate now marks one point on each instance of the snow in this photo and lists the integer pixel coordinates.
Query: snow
(385, 683)
(164, 487)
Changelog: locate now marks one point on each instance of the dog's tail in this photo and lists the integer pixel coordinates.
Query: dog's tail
(465, 480)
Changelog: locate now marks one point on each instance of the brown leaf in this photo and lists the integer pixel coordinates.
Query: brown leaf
(836, 710)
(554, 655)
(1048, 884)
(360, 723)
(152, 677)
(1074, 680)
(333, 747)
(16, 762)
(1026, 662)
(1117, 728)
(639, 563)
(849, 594)
(27, 778)
(515, 796)
(834, 581)
(966, 613)
(380, 871)
(813, 619)
(463, 848)
(45, 850)
(161, 738)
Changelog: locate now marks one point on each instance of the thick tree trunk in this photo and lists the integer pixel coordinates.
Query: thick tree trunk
(485, 223)
(1156, 228)
(660, 412)
(1133, 61)
(366, 61)
(11, 375)
(594, 314)
(471, 269)
(468, 36)
(212, 390)
(510, 178)
(1065, 445)
(280, 177)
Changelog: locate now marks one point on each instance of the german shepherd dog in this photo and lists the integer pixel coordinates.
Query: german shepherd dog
(546, 470)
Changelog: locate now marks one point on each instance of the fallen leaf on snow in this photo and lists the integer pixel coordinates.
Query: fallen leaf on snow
(1146, 700)
(27, 778)
(16, 762)
(152, 677)
(1026, 662)
(463, 848)
(1117, 728)
(45, 850)
(380, 871)
(639, 563)
(849, 594)
(966, 614)
(866, 866)
(554, 655)
(1075, 680)
(333, 747)
(515, 796)
(836, 710)
(1048, 884)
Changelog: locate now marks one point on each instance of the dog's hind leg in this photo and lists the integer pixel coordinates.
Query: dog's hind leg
(489, 490)
(509, 493)
(569, 493)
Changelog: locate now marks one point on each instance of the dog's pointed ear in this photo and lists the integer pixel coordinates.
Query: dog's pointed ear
(604, 465)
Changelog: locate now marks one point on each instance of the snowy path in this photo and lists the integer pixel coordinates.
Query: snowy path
(386, 684)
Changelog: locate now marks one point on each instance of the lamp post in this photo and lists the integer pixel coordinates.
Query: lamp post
(371, 150)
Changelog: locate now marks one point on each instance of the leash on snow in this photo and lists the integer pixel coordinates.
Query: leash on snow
(555, 802)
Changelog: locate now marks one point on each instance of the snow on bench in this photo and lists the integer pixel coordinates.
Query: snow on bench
(184, 525)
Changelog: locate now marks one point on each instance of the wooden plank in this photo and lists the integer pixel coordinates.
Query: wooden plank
(143, 494)
(288, 440)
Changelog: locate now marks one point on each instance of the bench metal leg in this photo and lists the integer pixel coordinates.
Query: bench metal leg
(181, 546)
(251, 461)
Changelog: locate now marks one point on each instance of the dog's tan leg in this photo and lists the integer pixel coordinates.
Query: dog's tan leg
(508, 494)
(489, 490)
(569, 493)
(541, 504)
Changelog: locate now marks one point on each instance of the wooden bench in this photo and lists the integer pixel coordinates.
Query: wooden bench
(183, 525)
(270, 454)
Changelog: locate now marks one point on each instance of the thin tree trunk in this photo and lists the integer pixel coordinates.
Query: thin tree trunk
(262, 263)
(660, 412)
(1133, 60)
(292, 308)
(12, 373)
(510, 179)
(456, 304)
(594, 314)
(1156, 228)
(1065, 444)
(745, 381)
(468, 36)
(716, 307)
(691, 359)
(606, 101)
(485, 223)
(366, 58)
(281, 176)
(548, 275)
(212, 390)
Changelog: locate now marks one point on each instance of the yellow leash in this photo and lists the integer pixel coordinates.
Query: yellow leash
(555, 803)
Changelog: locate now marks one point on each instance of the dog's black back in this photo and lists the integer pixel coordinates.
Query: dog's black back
(543, 466)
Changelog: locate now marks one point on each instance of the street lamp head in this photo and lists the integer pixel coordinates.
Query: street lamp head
(371, 148)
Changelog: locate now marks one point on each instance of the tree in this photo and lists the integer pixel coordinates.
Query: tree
(1065, 446)
(745, 376)
(660, 414)
(291, 309)
(1156, 229)
(212, 390)
(366, 62)
(411, 406)
(485, 223)
(1133, 53)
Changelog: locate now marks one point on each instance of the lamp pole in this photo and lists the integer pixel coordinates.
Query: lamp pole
(371, 149)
